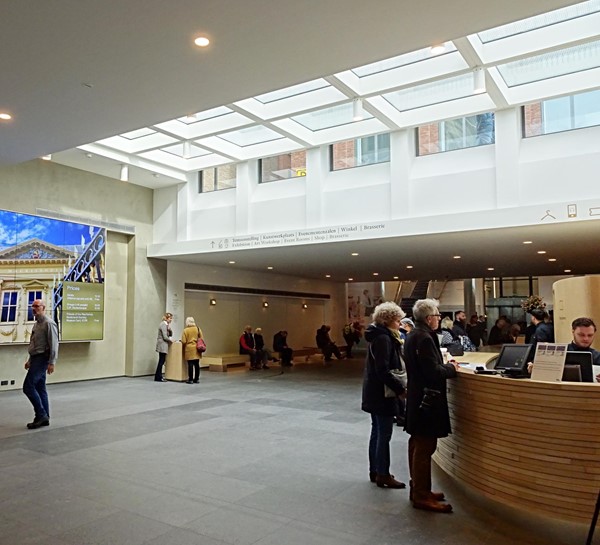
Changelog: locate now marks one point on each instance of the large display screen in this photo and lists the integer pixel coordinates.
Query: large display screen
(58, 261)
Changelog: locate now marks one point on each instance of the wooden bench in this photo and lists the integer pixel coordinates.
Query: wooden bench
(220, 362)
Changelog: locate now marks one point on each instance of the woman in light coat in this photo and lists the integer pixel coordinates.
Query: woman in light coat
(189, 338)
(163, 340)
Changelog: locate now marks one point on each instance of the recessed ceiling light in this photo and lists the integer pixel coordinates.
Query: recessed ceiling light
(270, 268)
(232, 262)
(457, 257)
(396, 277)
(528, 242)
(354, 254)
(567, 270)
(541, 251)
(437, 49)
(201, 41)
(46, 157)
(327, 276)
(490, 268)
(552, 259)
(375, 274)
(350, 279)
(409, 266)
(4, 116)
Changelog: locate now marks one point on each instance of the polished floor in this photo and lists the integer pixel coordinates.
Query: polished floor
(242, 458)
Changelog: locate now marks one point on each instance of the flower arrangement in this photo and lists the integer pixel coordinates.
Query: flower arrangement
(533, 302)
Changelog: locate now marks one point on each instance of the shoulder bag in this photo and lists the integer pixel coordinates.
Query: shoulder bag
(200, 344)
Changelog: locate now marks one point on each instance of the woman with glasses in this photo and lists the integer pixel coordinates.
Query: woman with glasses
(427, 416)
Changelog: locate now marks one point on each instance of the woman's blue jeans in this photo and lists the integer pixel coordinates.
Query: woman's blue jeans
(379, 444)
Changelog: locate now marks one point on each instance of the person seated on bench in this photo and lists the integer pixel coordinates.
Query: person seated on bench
(248, 346)
(327, 346)
(280, 345)
(265, 353)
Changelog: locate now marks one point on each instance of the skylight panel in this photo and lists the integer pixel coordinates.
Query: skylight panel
(431, 93)
(329, 117)
(294, 90)
(540, 21)
(139, 133)
(206, 114)
(400, 60)
(551, 65)
(251, 136)
(180, 151)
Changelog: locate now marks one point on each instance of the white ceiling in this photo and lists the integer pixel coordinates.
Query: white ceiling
(74, 73)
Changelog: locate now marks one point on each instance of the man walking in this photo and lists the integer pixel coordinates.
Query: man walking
(43, 351)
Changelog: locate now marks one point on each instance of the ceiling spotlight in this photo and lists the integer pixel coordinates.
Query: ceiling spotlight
(354, 254)
(567, 270)
(202, 41)
(265, 304)
(4, 116)
(552, 259)
(478, 81)
(213, 302)
(409, 266)
(437, 49)
(270, 268)
(396, 277)
(358, 113)
(456, 257)
(47, 157)
(327, 276)
(232, 262)
(375, 274)
(350, 279)
(304, 306)
(490, 268)
(541, 251)
(124, 175)
(528, 242)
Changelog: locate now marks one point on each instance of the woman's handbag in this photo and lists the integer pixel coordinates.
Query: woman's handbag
(398, 375)
(200, 344)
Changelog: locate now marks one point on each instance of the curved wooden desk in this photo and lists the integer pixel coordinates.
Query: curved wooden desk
(527, 444)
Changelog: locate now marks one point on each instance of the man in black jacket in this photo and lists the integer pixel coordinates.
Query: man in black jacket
(280, 345)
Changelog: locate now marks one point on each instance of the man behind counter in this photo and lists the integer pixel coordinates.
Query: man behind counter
(584, 330)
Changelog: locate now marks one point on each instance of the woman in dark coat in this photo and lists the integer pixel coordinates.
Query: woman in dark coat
(427, 415)
(383, 356)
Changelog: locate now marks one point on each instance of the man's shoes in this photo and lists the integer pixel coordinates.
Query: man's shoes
(38, 423)
(196, 381)
(432, 505)
(266, 367)
(160, 380)
(388, 481)
(373, 476)
(189, 382)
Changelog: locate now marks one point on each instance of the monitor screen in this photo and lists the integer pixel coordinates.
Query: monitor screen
(514, 356)
(582, 361)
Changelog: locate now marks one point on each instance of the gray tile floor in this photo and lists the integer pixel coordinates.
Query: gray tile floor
(241, 458)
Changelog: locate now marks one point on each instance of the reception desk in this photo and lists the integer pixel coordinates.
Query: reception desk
(527, 444)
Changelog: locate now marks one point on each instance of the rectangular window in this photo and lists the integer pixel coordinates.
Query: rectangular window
(9, 307)
(31, 297)
(282, 167)
(215, 179)
(453, 134)
(368, 150)
(562, 114)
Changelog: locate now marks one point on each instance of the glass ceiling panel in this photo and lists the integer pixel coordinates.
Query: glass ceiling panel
(431, 93)
(178, 150)
(550, 65)
(540, 21)
(401, 60)
(329, 117)
(206, 114)
(294, 90)
(251, 136)
(132, 135)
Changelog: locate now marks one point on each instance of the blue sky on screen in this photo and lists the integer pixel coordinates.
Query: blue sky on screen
(18, 228)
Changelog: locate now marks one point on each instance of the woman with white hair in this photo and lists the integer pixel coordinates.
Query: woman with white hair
(383, 357)
(189, 340)
(427, 415)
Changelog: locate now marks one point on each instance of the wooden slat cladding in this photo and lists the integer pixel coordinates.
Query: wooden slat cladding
(528, 444)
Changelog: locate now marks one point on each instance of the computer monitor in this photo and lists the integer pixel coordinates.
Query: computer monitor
(514, 357)
(582, 362)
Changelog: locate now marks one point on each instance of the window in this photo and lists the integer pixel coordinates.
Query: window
(283, 167)
(215, 179)
(31, 297)
(9, 307)
(464, 132)
(562, 114)
(362, 151)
